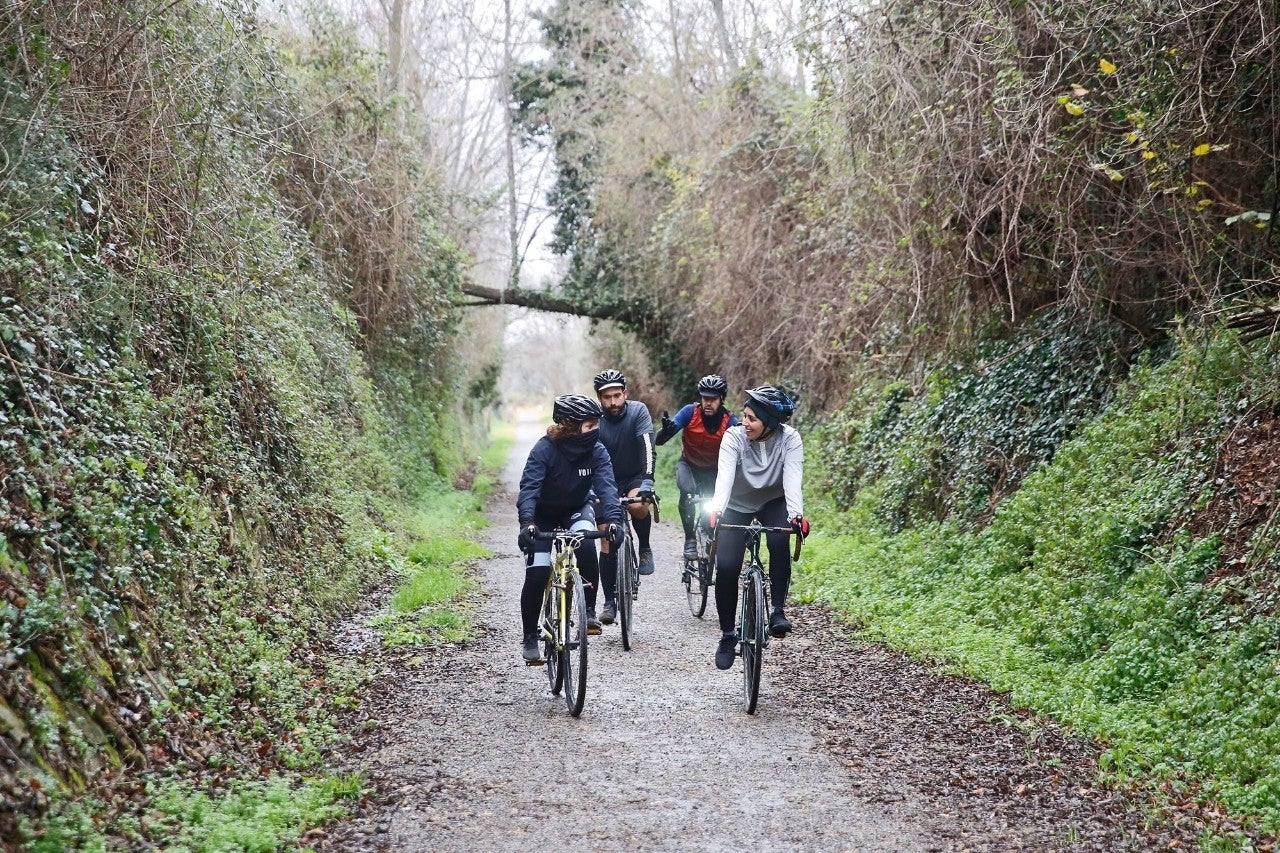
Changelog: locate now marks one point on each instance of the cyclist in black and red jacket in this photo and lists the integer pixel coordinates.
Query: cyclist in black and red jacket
(704, 424)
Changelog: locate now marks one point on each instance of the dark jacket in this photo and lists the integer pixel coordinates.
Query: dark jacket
(556, 479)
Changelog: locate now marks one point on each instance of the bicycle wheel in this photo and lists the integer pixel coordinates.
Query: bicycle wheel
(627, 580)
(753, 639)
(551, 632)
(573, 657)
(695, 586)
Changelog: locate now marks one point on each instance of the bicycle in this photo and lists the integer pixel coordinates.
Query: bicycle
(753, 607)
(698, 575)
(564, 618)
(629, 572)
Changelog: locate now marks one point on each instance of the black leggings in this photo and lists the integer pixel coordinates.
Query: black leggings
(535, 577)
(692, 482)
(535, 582)
(731, 550)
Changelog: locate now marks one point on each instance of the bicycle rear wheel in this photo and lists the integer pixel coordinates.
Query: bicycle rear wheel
(573, 657)
(753, 637)
(551, 633)
(627, 579)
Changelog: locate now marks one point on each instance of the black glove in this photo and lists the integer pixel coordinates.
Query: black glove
(646, 489)
(528, 535)
(616, 534)
(669, 428)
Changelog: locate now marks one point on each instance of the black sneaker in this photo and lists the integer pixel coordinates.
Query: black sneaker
(726, 651)
(593, 624)
(691, 547)
(779, 625)
(609, 613)
(646, 562)
(531, 649)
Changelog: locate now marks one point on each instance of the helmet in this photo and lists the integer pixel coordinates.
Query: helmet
(713, 385)
(575, 407)
(776, 403)
(608, 379)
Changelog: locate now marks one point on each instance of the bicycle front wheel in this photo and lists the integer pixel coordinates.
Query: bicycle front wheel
(573, 657)
(552, 608)
(627, 579)
(753, 637)
(695, 586)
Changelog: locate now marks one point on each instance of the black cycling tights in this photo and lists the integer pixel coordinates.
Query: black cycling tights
(535, 582)
(731, 550)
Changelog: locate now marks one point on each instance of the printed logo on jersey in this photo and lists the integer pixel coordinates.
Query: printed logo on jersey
(585, 472)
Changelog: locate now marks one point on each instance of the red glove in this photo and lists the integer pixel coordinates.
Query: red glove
(800, 525)
(713, 518)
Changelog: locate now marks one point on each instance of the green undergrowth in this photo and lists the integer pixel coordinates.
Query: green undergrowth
(1090, 595)
(210, 419)
(255, 816)
(427, 605)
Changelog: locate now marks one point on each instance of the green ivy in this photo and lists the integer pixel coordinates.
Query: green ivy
(1085, 596)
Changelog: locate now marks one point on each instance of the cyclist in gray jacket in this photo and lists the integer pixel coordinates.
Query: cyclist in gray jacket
(758, 476)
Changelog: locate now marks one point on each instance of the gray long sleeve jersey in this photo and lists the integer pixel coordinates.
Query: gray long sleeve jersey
(752, 473)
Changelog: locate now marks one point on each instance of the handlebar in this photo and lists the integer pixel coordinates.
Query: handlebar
(653, 501)
(757, 527)
(547, 536)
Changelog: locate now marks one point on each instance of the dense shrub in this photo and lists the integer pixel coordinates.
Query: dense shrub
(208, 421)
(1088, 596)
(980, 423)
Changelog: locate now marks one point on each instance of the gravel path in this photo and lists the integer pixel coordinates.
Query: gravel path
(853, 747)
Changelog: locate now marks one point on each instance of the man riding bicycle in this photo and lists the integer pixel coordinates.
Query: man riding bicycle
(704, 424)
(564, 468)
(758, 475)
(626, 431)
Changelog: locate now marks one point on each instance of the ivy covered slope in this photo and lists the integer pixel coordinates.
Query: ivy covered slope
(1114, 565)
(224, 319)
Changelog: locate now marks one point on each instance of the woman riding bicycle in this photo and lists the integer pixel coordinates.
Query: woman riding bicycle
(760, 468)
(563, 470)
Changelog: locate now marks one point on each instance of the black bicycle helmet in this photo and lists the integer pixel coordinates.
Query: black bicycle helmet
(609, 379)
(575, 407)
(777, 403)
(713, 385)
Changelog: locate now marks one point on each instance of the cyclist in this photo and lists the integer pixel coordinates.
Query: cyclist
(759, 472)
(704, 424)
(626, 431)
(563, 470)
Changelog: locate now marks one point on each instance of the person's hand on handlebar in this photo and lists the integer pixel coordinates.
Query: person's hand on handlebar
(528, 535)
(616, 534)
(646, 490)
(800, 525)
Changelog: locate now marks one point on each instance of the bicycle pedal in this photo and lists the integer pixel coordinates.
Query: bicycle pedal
(535, 663)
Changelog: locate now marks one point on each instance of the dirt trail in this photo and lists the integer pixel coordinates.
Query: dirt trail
(852, 748)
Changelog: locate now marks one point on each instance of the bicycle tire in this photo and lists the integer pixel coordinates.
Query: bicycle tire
(753, 637)
(573, 659)
(695, 587)
(627, 578)
(552, 632)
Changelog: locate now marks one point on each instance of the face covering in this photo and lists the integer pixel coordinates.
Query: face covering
(581, 441)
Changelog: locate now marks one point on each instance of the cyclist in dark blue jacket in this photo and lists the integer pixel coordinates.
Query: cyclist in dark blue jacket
(626, 431)
(566, 469)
